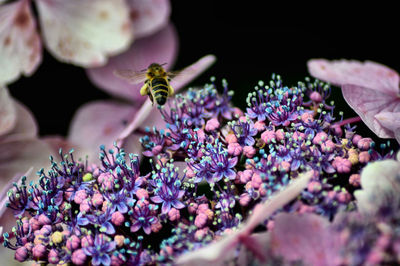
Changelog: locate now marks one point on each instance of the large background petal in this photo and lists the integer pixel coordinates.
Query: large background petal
(161, 48)
(149, 16)
(98, 123)
(85, 32)
(367, 103)
(368, 74)
(20, 46)
(8, 113)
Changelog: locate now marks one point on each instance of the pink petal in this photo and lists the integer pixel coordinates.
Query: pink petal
(16, 157)
(161, 47)
(148, 16)
(85, 32)
(187, 74)
(367, 103)
(8, 114)
(389, 120)
(99, 123)
(306, 237)
(26, 126)
(368, 74)
(20, 46)
(223, 249)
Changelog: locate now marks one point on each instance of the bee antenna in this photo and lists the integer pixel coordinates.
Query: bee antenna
(143, 70)
(163, 64)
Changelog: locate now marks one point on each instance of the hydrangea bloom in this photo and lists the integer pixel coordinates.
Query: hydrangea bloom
(237, 172)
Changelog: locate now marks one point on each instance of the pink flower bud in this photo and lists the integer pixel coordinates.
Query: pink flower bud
(53, 256)
(39, 251)
(307, 117)
(320, 138)
(344, 197)
(46, 230)
(230, 138)
(259, 125)
(244, 199)
(270, 225)
(156, 227)
(189, 172)
(356, 139)
(156, 149)
(341, 165)
(297, 135)
(97, 199)
(328, 146)
(268, 136)
(364, 157)
(80, 195)
(316, 97)
(78, 257)
(43, 219)
(21, 254)
(280, 135)
(84, 207)
(28, 246)
(174, 214)
(364, 144)
(117, 218)
(200, 220)
(249, 151)
(212, 124)
(199, 235)
(246, 176)
(243, 119)
(314, 186)
(87, 241)
(237, 112)
(284, 166)
(142, 194)
(117, 260)
(73, 242)
(355, 180)
(234, 149)
(193, 207)
(256, 181)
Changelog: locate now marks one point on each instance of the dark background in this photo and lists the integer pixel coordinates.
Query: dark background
(250, 41)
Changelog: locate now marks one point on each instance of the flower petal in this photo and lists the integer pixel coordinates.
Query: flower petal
(85, 32)
(26, 126)
(8, 112)
(368, 74)
(367, 103)
(161, 47)
(149, 16)
(20, 46)
(98, 123)
(17, 156)
(389, 120)
(306, 237)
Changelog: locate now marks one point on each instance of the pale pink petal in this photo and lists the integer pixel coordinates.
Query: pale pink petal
(85, 32)
(306, 237)
(99, 123)
(148, 16)
(367, 103)
(187, 75)
(368, 74)
(20, 46)
(389, 120)
(221, 250)
(8, 113)
(379, 183)
(158, 48)
(26, 126)
(16, 157)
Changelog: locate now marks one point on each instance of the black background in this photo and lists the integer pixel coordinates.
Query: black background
(251, 42)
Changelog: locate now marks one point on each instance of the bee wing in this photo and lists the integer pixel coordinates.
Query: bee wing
(131, 76)
(182, 74)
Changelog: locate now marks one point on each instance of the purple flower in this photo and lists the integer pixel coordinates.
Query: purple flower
(143, 216)
(244, 131)
(220, 163)
(167, 188)
(101, 250)
(102, 219)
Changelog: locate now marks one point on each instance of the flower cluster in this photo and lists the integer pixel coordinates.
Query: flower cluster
(210, 167)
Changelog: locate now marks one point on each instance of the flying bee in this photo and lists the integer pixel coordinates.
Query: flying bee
(156, 81)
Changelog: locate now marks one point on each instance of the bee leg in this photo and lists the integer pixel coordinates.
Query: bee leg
(170, 91)
(151, 98)
(144, 90)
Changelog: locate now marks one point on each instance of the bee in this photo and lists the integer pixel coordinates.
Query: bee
(156, 81)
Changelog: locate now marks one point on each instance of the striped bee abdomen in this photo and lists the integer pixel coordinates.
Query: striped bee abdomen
(159, 89)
